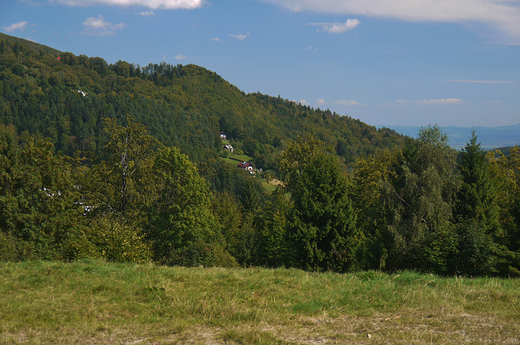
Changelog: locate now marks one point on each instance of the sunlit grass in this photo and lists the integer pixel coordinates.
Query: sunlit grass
(238, 158)
(44, 302)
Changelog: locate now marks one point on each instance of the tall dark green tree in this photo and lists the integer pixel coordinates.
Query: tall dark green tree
(475, 199)
(477, 212)
(506, 176)
(322, 224)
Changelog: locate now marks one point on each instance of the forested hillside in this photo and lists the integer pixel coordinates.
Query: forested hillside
(65, 97)
(127, 164)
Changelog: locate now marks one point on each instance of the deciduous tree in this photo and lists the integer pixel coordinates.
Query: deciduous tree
(419, 203)
(183, 223)
(124, 183)
(40, 215)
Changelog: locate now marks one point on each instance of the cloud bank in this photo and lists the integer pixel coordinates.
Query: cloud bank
(443, 101)
(347, 103)
(153, 4)
(15, 26)
(500, 15)
(146, 13)
(240, 37)
(337, 28)
(100, 27)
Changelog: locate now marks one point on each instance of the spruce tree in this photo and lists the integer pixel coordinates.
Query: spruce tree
(475, 199)
(476, 211)
(322, 223)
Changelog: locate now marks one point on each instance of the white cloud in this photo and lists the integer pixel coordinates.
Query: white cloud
(153, 4)
(347, 103)
(501, 15)
(216, 39)
(337, 28)
(483, 81)
(16, 26)
(303, 102)
(180, 57)
(443, 101)
(100, 27)
(320, 101)
(146, 13)
(314, 50)
(240, 37)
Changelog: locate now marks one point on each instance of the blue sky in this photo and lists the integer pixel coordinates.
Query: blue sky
(385, 62)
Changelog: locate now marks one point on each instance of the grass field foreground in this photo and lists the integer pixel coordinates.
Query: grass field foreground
(94, 302)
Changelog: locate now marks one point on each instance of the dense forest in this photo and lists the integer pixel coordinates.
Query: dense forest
(66, 97)
(126, 163)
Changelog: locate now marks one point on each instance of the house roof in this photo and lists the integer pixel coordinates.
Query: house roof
(243, 165)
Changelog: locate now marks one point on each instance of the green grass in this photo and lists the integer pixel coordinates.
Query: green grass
(96, 302)
(231, 161)
(239, 158)
(268, 186)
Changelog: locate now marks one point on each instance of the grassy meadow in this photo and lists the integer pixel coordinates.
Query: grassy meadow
(94, 302)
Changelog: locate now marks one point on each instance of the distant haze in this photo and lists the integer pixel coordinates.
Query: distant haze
(489, 137)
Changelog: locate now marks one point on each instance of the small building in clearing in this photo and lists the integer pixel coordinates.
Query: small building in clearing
(245, 165)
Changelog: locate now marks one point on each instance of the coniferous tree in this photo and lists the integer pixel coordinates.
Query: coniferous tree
(475, 199)
(477, 212)
(322, 225)
(506, 177)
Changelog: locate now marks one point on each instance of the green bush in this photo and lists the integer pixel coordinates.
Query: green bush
(201, 254)
(78, 246)
(8, 248)
(117, 241)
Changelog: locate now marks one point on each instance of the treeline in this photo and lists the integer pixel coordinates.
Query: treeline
(66, 100)
(416, 208)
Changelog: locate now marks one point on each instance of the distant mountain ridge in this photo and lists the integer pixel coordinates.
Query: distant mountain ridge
(489, 137)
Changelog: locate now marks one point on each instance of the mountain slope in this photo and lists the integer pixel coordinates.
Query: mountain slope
(33, 45)
(66, 99)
